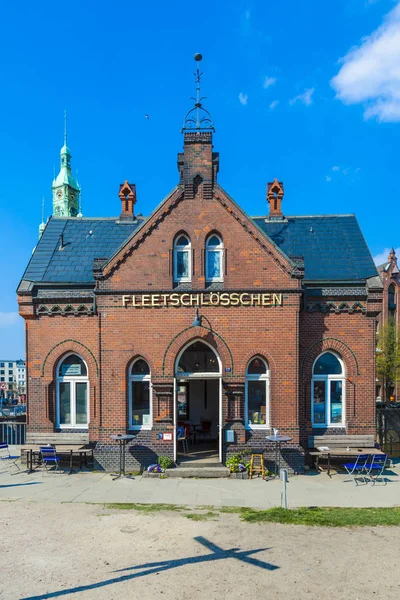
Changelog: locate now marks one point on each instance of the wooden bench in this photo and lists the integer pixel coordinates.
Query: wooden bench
(340, 441)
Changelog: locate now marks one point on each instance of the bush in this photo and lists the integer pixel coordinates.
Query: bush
(237, 462)
(165, 462)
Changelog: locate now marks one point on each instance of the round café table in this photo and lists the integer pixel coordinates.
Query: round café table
(122, 439)
(278, 439)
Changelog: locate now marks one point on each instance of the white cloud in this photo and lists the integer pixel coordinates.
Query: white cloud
(328, 178)
(8, 318)
(274, 104)
(243, 98)
(268, 81)
(335, 168)
(305, 97)
(382, 257)
(370, 74)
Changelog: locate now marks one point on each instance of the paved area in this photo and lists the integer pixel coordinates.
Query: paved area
(304, 490)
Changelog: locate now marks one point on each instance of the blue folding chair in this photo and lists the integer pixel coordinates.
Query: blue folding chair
(6, 458)
(357, 468)
(49, 458)
(375, 468)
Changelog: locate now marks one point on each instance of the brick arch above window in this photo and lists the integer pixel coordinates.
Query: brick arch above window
(56, 354)
(137, 356)
(253, 353)
(193, 334)
(336, 346)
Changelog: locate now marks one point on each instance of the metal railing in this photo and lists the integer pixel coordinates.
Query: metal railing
(13, 433)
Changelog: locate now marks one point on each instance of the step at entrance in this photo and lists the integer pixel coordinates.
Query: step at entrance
(203, 471)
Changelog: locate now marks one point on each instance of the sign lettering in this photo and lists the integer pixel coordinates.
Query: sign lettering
(202, 299)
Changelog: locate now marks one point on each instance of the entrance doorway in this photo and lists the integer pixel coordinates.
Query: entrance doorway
(197, 407)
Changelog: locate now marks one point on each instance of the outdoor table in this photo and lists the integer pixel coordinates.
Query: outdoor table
(122, 439)
(33, 449)
(341, 452)
(278, 439)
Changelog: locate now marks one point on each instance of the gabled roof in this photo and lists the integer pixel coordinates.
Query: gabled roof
(83, 240)
(333, 246)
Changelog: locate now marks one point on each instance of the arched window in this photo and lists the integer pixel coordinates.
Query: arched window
(182, 259)
(72, 393)
(328, 391)
(257, 394)
(392, 301)
(140, 408)
(214, 258)
(198, 358)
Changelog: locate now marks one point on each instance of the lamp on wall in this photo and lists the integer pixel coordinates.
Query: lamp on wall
(198, 320)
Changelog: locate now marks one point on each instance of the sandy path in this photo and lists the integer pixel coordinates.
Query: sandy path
(87, 551)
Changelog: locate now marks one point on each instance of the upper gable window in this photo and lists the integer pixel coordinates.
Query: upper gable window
(182, 259)
(214, 258)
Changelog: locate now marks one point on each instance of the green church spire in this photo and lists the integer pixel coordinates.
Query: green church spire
(66, 189)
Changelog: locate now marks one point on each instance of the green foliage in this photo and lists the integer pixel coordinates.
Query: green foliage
(165, 462)
(325, 517)
(201, 516)
(145, 507)
(239, 458)
(388, 356)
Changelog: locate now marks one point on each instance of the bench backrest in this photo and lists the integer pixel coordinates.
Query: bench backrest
(42, 439)
(340, 441)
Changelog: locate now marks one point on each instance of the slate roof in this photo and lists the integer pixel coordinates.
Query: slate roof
(331, 247)
(83, 240)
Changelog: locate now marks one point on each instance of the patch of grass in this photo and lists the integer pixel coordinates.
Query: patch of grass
(325, 517)
(233, 509)
(201, 516)
(145, 507)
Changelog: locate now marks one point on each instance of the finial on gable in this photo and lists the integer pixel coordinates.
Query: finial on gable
(392, 256)
(127, 194)
(274, 196)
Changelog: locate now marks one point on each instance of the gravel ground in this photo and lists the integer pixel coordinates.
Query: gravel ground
(88, 551)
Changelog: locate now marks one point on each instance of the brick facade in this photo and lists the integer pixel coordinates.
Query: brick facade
(290, 335)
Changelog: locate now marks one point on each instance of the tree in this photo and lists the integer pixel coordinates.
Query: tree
(388, 357)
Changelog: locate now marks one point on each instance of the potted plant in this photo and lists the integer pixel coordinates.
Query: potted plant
(238, 466)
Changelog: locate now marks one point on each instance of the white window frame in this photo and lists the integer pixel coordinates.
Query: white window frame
(257, 377)
(72, 380)
(327, 379)
(135, 378)
(188, 250)
(220, 249)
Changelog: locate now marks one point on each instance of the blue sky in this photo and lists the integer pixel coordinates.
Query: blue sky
(308, 92)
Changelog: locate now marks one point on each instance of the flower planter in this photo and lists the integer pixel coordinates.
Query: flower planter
(243, 475)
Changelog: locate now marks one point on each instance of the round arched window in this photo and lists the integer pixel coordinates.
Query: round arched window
(214, 258)
(328, 391)
(72, 393)
(257, 394)
(182, 259)
(139, 395)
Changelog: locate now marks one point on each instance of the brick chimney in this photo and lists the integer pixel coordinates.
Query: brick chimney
(274, 197)
(198, 165)
(127, 194)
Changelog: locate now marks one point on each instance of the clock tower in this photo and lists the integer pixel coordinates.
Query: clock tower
(66, 189)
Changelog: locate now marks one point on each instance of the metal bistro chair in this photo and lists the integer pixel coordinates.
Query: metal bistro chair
(374, 469)
(49, 458)
(357, 468)
(6, 458)
(181, 437)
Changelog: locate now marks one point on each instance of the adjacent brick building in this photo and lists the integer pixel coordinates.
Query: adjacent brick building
(200, 313)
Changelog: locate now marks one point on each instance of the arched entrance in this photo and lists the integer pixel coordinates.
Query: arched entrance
(198, 401)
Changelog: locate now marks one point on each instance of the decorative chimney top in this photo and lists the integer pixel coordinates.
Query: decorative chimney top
(392, 256)
(127, 194)
(274, 196)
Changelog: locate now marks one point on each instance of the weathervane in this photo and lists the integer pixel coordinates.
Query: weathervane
(198, 118)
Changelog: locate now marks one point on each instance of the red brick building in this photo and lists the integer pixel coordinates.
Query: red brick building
(202, 314)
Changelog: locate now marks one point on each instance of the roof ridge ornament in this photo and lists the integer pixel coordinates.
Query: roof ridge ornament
(198, 118)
